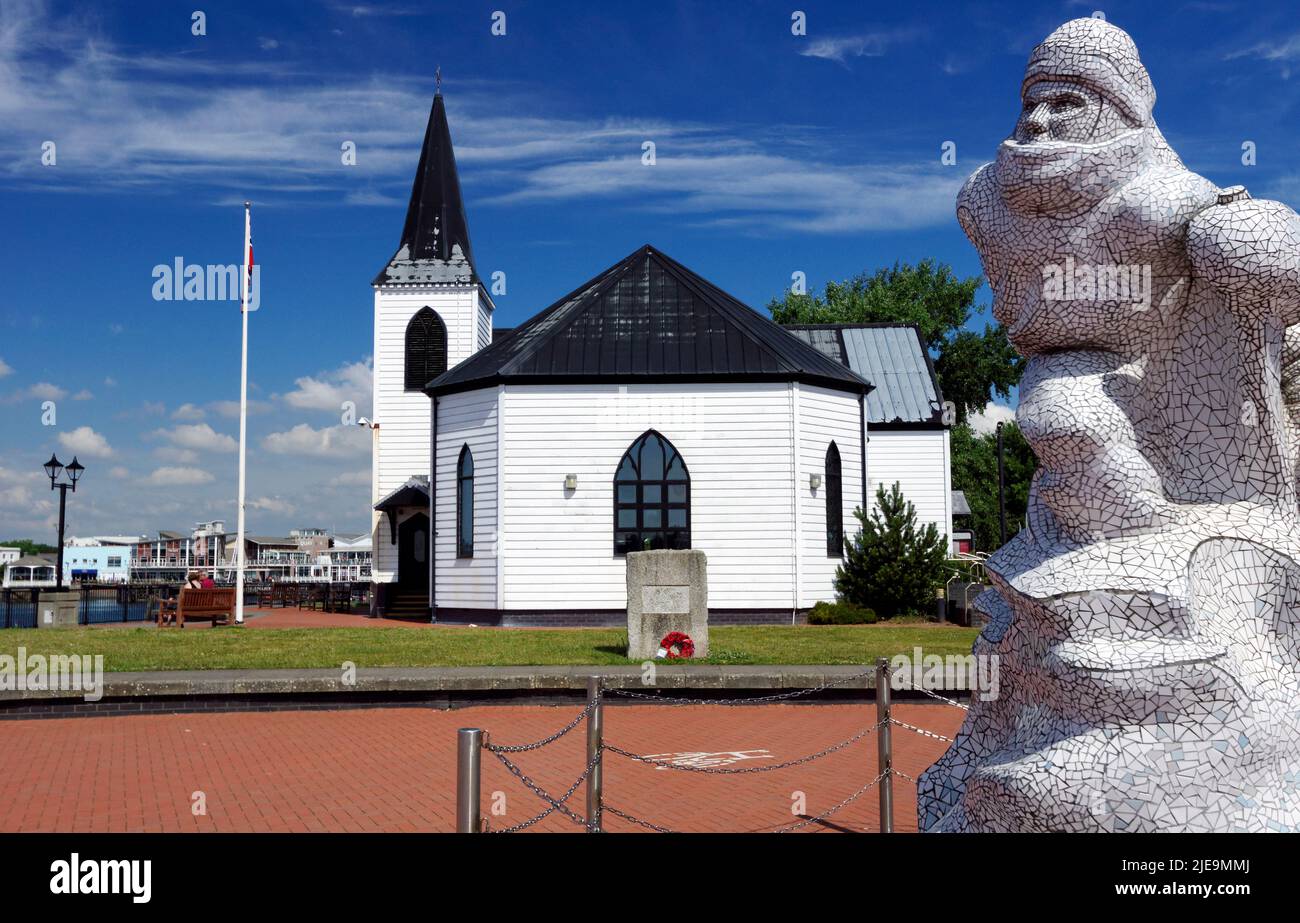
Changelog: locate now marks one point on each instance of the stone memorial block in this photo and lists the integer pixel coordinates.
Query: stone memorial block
(666, 591)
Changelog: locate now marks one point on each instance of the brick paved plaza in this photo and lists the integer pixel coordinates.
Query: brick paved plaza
(393, 769)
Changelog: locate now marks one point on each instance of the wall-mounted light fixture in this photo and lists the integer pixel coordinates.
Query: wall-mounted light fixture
(570, 482)
(814, 481)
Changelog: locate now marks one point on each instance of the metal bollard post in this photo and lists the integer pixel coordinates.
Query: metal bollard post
(469, 750)
(884, 746)
(595, 730)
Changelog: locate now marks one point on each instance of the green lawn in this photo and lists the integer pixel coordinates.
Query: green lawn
(225, 648)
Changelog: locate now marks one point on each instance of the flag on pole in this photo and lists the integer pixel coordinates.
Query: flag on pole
(243, 412)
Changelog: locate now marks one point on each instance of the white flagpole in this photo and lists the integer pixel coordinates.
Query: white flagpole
(243, 420)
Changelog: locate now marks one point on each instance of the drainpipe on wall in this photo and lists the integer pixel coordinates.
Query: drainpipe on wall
(862, 419)
(795, 495)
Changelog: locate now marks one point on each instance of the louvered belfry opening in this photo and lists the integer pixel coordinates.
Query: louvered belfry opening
(426, 349)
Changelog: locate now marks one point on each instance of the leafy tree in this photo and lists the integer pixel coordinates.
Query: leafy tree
(975, 473)
(971, 367)
(891, 565)
(26, 546)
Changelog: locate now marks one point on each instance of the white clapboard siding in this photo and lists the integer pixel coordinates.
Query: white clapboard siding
(736, 442)
(468, 418)
(825, 415)
(919, 461)
(402, 449)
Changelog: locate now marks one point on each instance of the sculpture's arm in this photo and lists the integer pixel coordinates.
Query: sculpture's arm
(1249, 251)
(973, 201)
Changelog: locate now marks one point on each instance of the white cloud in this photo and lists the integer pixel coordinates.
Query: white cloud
(353, 382)
(329, 440)
(26, 491)
(85, 441)
(171, 453)
(5, 369)
(1277, 49)
(987, 421)
(172, 477)
(230, 409)
(745, 188)
(83, 395)
(271, 505)
(198, 436)
(352, 478)
(187, 412)
(45, 391)
(866, 45)
(41, 391)
(147, 126)
(119, 472)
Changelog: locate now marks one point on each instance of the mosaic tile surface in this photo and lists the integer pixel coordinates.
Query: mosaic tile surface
(1146, 619)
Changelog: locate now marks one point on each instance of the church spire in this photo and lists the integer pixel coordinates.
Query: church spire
(435, 239)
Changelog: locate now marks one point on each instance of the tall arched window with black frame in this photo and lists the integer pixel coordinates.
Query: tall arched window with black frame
(465, 504)
(426, 349)
(834, 504)
(652, 497)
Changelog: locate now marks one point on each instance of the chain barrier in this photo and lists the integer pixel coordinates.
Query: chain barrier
(555, 804)
(545, 741)
(825, 814)
(752, 700)
(935, 695)
(922, 731)
(593, 824)
(748, 770)
(635, 820)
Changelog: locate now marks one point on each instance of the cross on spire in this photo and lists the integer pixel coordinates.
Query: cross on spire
(437, 80)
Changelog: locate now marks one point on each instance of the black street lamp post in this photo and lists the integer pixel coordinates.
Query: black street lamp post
(53, 467)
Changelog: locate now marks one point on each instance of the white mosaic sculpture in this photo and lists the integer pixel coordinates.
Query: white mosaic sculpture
(1147, 620)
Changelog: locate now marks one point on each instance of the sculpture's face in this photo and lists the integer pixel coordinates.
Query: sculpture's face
(1062, 110)
(1071, 147)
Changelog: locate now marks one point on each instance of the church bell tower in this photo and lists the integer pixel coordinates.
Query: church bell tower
(431, 312)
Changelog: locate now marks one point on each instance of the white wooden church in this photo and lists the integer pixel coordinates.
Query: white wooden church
(647, 408)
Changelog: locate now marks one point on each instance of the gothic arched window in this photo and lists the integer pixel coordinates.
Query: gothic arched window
(652, 497)
(834, 504)
(465, 504)
(426, 349)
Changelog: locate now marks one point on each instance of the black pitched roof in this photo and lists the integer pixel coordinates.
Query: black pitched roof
(435, 218)
(415, 492)
(647, 318)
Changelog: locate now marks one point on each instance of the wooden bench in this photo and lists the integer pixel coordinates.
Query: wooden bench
(217, 604)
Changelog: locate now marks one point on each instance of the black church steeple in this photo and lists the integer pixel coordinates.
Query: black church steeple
(435, 240)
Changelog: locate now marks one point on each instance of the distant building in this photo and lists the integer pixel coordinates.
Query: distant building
(96, 563)
(8, 555)
(29, 572)
(302, 555)
(349, 559)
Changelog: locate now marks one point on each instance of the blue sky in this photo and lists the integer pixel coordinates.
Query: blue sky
(775, 153)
